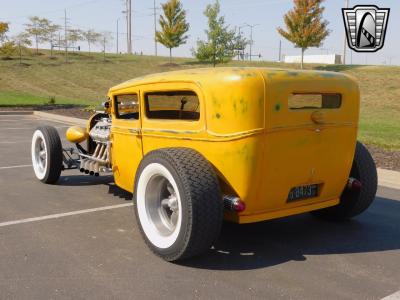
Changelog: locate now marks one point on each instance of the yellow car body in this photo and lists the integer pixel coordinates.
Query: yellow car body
(259, 147)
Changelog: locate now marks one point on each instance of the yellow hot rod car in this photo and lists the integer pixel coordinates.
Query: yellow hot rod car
(241, 144)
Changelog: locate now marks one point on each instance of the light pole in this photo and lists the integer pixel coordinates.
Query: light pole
(129, 25)
(117, 35)
(240, 34)
(155, 27)
(346, 4)
(251, 37)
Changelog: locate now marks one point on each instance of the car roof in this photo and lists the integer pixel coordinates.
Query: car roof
(203, 75)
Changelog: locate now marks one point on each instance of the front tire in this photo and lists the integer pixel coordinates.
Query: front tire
(354, 202)
(47, 154)
(179, 208)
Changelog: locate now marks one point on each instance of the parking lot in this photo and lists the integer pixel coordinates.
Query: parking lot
(78, 239)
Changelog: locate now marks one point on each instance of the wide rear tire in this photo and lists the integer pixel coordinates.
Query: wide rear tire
(354, 202)
(47, 156)
(179, 207)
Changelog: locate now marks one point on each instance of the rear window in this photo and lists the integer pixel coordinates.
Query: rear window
(315, 101)
(173, 105)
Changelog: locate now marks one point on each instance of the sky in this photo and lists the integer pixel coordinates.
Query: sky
(267, 15)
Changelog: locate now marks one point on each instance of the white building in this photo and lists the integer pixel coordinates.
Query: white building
(327, 59)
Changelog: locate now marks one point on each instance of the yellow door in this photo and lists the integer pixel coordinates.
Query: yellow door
(126, 148)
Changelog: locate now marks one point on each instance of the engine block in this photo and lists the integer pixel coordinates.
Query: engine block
(100, 133)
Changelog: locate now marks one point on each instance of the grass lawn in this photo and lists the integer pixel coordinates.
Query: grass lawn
(85, 79)
(8, 98)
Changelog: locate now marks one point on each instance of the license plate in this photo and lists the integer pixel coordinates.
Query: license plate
(303, 192)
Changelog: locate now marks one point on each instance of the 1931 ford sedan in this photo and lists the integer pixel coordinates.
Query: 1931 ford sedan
(241, 144)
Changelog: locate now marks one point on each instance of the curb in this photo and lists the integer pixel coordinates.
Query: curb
(389, 178)
(15, 112)
(59, 118)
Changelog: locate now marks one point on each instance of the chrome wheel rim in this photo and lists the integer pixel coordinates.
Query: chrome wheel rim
(159, 205)
(40, 154)
(162, 205)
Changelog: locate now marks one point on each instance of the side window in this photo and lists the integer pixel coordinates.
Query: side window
(127, 107)
(315, 101)
(173, 105)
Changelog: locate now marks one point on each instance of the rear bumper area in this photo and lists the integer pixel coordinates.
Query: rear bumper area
(284, 212)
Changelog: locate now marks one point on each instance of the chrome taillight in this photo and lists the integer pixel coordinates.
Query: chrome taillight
(233, 203)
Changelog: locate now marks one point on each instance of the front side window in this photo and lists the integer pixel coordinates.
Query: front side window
(127, 107)
(173, 105)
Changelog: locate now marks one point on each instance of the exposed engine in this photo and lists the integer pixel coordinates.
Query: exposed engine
(100, 159)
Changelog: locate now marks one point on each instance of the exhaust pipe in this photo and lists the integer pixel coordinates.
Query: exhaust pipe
(92, 164)
(96, 169)
(86, 166)
(82, 166)
(91, 172)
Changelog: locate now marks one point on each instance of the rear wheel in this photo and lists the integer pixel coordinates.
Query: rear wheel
(178, 203)
(354, 202)
(46, 154)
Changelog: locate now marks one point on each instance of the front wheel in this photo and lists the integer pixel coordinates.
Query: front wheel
(179, 207)
(47, 154)
(354, 202)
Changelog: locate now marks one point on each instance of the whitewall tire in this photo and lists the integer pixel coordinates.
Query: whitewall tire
(46, 153)
(179, 207)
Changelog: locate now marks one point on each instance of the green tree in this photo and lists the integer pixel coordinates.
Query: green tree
(38, 30)
(173, 26)
(305, 26)
(221, 41)
(92, 37)
(74, 36)
(8, 49)
(4, 27)
(105, 40)
(23, 42)
(51, 35)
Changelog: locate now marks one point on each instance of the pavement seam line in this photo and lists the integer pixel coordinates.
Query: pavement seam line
(14, 167)
(61, 215)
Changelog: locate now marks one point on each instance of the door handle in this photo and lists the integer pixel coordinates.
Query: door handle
(137, 131)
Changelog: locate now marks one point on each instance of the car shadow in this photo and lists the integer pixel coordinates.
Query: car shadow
(84, 180)
(259, 245)
(118, 192)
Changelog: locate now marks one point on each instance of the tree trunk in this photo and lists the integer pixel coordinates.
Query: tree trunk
(214, 58)
(302, 58)
(89, 48)
(37, 45)
(170, 55)
(104, 49)
(20, 53)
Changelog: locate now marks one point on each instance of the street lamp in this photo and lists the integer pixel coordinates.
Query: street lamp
(117, 35)
(240, 34)
(251, 37)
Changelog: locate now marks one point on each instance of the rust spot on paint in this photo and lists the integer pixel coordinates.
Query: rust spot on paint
(244, 107)
(234, 106)
(218, 115)
(216, 102)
